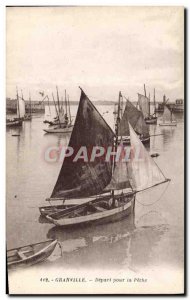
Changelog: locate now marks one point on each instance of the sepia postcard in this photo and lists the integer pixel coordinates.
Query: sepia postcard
(95, 150)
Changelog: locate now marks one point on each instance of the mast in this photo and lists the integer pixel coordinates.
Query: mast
(149, 105)
(65, 102)
(56, 109)
(144, 90)
(154, 103)
(30, 104)
(49, 105)
(115, 143)
(164, 99)
(69, 108)
(58, 99)
(171, 114)
(18, 102)
(117, 120)
(22, 95)
(116, 130)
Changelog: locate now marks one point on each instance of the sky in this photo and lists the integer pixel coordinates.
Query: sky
(102, 49)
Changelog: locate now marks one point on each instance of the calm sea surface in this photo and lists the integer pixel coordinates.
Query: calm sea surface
(152, 237)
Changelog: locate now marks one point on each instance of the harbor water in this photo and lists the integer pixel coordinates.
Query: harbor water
(152, 237)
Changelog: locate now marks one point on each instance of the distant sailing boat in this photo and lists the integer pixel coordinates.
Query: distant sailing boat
(144, 106)
(135, 117)
(20, 110)
(167, 118)
(63, 119)
(108, 187)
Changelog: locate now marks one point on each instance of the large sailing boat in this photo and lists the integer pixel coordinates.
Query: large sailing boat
(135, 117)
(144, 106)
(167, 118)
(105, 189)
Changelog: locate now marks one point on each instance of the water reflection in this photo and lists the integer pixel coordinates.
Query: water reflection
(168, 135)
(116, 245)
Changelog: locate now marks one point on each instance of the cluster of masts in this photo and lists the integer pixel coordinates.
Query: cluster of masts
(62, 123)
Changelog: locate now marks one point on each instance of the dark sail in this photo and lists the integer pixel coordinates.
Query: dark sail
(85, 178)
(135, 118)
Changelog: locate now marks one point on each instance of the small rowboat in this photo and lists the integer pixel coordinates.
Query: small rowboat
(31, 254)
(154, 155)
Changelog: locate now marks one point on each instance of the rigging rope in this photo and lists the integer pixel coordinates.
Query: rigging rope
(156, 200)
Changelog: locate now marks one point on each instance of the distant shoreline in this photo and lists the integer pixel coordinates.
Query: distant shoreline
(10, 102)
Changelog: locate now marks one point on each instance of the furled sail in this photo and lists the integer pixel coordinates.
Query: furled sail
(21, 108)
(120, 177)
(143, 170)
(167, 115)
(135, 118)
(85, 178)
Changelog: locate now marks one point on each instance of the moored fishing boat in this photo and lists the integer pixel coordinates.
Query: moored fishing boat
(31, 254)
(135, 117)
(106, 188)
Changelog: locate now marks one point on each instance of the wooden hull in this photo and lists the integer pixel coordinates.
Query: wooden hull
(19, 259)
(97, 218)
(151, 121)
(51, 209)
(168, 124)
(59, 130)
